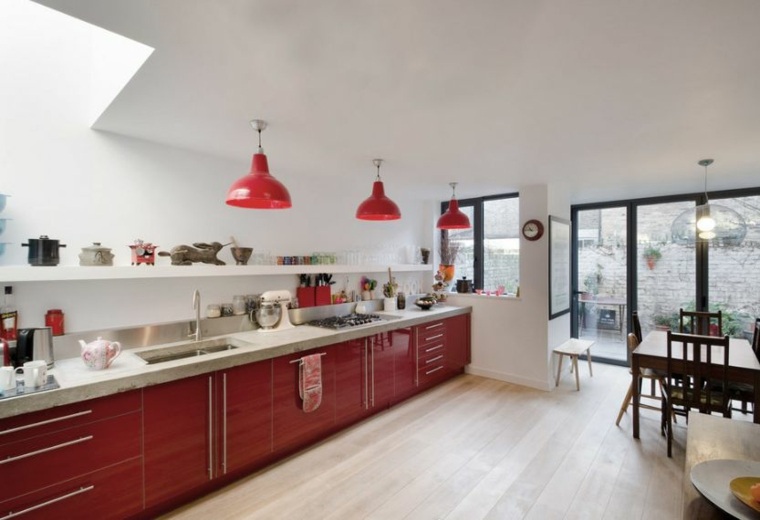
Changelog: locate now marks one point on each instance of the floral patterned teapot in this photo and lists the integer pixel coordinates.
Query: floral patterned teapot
(99, 354)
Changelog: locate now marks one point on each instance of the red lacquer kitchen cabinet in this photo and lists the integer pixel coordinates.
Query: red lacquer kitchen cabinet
(363, 376)
(457, 343)
(65, 461)
(204, 427)
(293, 428)
(178, 437)
(351, 386)
(404, 363)
(382, 358)
(244, 404)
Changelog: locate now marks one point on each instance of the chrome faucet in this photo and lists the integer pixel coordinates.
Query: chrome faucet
(197, 309)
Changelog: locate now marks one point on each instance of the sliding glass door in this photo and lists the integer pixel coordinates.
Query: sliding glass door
(625, 258)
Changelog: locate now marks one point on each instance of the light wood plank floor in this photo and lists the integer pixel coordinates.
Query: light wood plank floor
(475, 448)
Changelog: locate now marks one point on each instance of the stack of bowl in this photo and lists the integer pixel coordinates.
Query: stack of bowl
(3, 200)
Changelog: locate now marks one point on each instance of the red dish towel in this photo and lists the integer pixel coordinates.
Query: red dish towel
(310, 382)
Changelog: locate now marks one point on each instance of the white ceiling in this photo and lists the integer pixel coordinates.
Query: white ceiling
(611, 98)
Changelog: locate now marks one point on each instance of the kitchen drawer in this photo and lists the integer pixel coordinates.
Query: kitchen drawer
(431, 370)
(431, 333)
(113, 492)
(22, 427)
(431, 350)
(44, 460)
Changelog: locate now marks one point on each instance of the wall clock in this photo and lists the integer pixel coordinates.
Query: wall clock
(533, 229)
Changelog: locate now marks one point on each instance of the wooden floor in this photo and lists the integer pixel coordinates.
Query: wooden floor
(476, 448)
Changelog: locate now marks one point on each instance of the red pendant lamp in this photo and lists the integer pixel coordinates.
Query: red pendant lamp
(378, 206)
(258, 189)
(453, 218)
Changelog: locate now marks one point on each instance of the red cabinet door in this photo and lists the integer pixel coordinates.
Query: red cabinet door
(351, 386)
(457, 343)
(293, 428)
(178, 437)
(244, 404)
(404, 363)
(382, 353)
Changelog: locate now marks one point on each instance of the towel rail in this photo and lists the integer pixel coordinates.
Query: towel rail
(300, 360)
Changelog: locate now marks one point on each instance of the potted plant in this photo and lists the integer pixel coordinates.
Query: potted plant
(665, 321)
(448, 251)
(652, 254)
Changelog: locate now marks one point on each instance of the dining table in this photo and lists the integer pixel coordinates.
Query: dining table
(711, 439)
(652, 352)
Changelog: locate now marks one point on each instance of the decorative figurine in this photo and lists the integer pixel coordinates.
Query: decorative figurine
(198, 252)
(143, 253)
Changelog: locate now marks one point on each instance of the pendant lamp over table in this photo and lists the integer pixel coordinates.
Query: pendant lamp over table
(378, 206)
(709, 222)
(259, 189)
(453, 218)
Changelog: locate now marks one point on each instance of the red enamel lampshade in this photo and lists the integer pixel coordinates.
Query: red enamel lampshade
(453, 218)
(378, 206)
(258, 189)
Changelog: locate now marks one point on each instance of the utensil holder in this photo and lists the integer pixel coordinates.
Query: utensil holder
(307, 296)
(322, 295)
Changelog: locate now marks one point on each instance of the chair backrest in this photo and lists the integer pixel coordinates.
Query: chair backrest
(637, 326)
(699, 364)
(703, 323)
(756, 339)
(633, 342)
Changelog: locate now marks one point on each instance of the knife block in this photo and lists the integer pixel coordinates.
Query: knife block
(306, 296)
(322, 295)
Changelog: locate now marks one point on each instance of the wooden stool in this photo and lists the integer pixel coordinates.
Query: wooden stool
(574, 347)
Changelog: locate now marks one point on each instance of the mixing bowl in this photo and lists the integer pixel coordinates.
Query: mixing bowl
(241, 254)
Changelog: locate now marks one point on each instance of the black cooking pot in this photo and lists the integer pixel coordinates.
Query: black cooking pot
(43, 251)
(464, 285)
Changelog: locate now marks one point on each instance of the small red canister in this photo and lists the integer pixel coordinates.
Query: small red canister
(54, 320)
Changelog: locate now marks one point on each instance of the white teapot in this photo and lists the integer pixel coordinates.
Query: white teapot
(99, 354)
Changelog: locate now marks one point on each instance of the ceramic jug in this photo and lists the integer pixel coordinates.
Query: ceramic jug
(99, 354)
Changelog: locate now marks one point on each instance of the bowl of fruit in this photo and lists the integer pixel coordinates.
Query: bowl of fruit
(425, 303)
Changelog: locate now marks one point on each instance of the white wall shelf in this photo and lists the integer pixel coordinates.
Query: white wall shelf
(67, 273)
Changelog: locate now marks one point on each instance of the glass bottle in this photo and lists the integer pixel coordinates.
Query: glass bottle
(8, 316)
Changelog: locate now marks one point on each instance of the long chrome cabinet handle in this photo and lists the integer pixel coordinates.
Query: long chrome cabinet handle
(210, 427)
(366, 384)
(434, 370)
(42, 423)
(430, 338)
(79, 491)
(416, 357)
(432, 360)
(433, 348)
(45, 450)
(224, 423)
(372, 371)
(434, 325)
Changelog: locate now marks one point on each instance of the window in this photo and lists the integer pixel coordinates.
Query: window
(489, 252)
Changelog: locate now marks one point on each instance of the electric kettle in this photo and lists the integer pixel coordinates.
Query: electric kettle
(34, 344)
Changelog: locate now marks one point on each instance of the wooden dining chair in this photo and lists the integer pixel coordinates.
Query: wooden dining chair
(697, 377)
(643, 374)
(745, 392)
(636, 322)
(698, 322)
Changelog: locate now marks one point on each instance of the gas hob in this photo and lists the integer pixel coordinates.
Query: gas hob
(347, 321)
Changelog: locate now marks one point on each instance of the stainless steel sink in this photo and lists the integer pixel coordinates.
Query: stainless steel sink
(186, 350)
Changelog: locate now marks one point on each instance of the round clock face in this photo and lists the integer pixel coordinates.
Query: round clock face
(533, 230)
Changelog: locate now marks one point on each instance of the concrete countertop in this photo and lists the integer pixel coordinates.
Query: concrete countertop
(129, 372)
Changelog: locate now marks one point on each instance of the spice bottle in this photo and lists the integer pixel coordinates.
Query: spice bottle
(54, 320)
